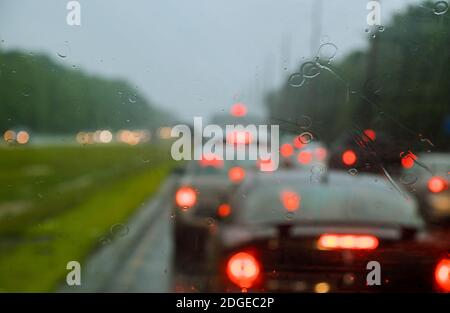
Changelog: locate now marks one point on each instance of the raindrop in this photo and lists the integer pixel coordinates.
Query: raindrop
(305, 138)
(104, 240)
(310, 70)
(132, 99)
(63, 51)
(210, 221)
(289, 215)
(353, 171)
(317, 169)
(172, 215)
(327, 51)
(374, 35)
(440, 7)
(366, 30)
(381, 29)
(408, 179)
(296, 80)
(119, 230)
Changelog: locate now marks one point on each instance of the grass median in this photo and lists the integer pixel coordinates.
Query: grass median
(72, 213)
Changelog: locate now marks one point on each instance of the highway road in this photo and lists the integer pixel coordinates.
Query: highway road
(138, 261)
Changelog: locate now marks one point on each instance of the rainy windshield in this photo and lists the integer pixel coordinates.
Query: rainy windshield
(145, 144)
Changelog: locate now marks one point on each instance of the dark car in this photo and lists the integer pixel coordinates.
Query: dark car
(286, 234)
(368, 151)
(429, 178)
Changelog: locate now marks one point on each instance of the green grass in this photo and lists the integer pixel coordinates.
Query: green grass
(65, 223)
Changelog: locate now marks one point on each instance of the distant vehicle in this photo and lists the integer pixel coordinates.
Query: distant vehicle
(289, 235)
(367, 151)
(429, 176)
(201, 203)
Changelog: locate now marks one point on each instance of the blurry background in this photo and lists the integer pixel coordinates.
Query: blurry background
(134, 68)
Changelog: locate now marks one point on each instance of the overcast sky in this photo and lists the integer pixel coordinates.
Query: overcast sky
(192, 57)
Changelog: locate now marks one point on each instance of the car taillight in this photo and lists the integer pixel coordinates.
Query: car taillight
(437, 184)
(304, 157)
(286, 150)
(349, 157)
(345, 241)
(442, 275)
(320, 153)
(407, 159)
(224, 210)
(243, 269)
(236, 174)
(185, 197)
(290, 199)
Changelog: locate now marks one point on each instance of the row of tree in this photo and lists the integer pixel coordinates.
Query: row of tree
(400, 84)
(38, 94)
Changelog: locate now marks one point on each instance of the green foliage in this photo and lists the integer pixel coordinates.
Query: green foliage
(45, 97)
(399, 84)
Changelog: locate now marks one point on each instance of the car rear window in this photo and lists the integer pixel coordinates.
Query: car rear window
(264, 204)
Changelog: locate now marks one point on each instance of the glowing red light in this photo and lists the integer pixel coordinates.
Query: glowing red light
(224, 210)
(442, 275)
(437, 184)
(185, 197)
(290, 200)
(349, 157)
(408, 160)
(342, 241)
(298, 143)
(370, 134)
(320, 153)
(238, 110)
(286, 150)
(243, 269)
(236, 174)
(304, 157)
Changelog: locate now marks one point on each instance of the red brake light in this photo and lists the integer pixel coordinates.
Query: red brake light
(236, 174)
(298, 143)
(437, 184)
(408, 159)
(304, 157)
(349, 157)
(442, 275)
(238, 110)
(344, 241)
(286, 150)
(243, 269)
(224, 210)
(370, 134)
(290, 200)
(185, 197)
(320, 153)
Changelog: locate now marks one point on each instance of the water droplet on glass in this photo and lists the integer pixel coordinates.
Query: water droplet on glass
(210, 221)
(296, 80)
(132, 99)
(305, 138)
(353, 171)
(381, 29)
(440, 7)
(317, 169)
(327, 51)
(310, 70)
(408, 179)
(63, 51)
(374, 35)
(289, 215)
(104, 240)
(366, 30)
(119, 230)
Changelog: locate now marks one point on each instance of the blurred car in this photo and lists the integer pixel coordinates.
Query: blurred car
(288, 235)
(429, 176)
(201, 202)
(302, 152)
(367, 151)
